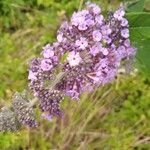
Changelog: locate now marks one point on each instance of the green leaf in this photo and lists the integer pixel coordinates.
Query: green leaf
(140, 19)
(140, 33)
(140, 37)
(137, 6)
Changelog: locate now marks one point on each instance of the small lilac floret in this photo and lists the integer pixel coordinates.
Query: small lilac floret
(106, 30)
(74, 58)
(107, 39)
(32, 75)
(60, 37)
(82, 43)
(119, 14)
(95, 9)
(125, 33)
(73, 93)
(48, 51)
(124, 22)
(104, 51)
(127, 43)
(95, 49)
(97, 36)
(99, 19)
(79, 19)
(46, 65)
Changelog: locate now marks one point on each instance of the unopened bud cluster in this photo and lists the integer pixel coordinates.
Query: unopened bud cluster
(20, 113)
(23, 110)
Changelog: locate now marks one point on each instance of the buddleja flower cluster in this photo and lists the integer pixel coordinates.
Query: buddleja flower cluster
(89, 50)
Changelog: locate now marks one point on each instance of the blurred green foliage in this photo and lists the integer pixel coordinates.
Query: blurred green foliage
(115, 117)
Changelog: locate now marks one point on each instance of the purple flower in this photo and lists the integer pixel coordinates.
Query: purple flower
(46, 65)
(127, 42)
(104, 51)
(124, 22)
(89, 21)
(103, 63)
(81, 43)
(131, 51)
(122, 51)
(73, 93)
(82, 26)
(32, 75)
(60, 37)
(74, 59)
(95, 49)
(107, 39)
(79, 19)
(95, 9)
(99, 19)
(125, 33)
(97, 36)
(119, 14)
(48, 51)
(106, 30)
